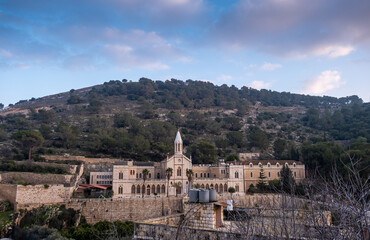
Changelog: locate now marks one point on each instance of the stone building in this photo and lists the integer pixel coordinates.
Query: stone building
(128, 177)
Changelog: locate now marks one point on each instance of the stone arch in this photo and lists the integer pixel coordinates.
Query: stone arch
(138, 189)
(216, 187)
(133, 188)
(120, 190)
(179, 172)
(158, 189)
(221, 188)
(225, 187)
(143, 189)
(163, 189)
(148, 190)
(237, 188)
(236, 174)
(211, 186)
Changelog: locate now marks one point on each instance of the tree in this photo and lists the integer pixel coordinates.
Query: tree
(168, 175)
(231, 190)
(177, 186)
(287, 180)
(279, 148)
(203, 152)
(258, 138)
(261, 185)
(1, 106)
(145, 176)
(232, 157)
(189, 174)
(29, 139)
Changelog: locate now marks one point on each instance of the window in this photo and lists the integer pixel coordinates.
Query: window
(158, 189)
(153, 189)
(211, 186)
(120, 175)
(250, 165)
(202, 186)
(259, 165)
(294, 165)
(207, 175)
(268, 165)
(196, 175)
(216, 187)
(133, 172)
(150, 175)
(120, 190)
(158, 176)
(140, 176)
(251, 174)
(163, 189)
(237, 188)
(133, 189)
(138, 188)
(295, 174)
(278, 174)
(137, 175)
(179, 172)
(221, 188)
(225, 187)
(236, 175)
(286, 164)
(269, 174)
(143, 189)
(207, 186)
(201, 174)
(204, 175)
(277, 165)
(130, 172)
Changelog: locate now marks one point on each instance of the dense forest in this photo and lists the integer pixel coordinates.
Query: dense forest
(138, 120)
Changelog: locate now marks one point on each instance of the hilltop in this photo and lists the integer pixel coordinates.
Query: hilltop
(138, 120)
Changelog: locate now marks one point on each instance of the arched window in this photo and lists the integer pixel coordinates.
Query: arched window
(133, 172)
(137, 175)
(150, 175)
(196, 175)
(207, 175)
(140, 176)
(120, 190)
(201, 175)
(211, 186)
(158, 189)
(143, 189)
(225, 187)
(221, 188)
(286, 164)
(251, 174)
(236, 175)
(120, 175)
(259, 164)
(250, 165)
(278, 174)
(163, 189)
(202, 186)
(148, 190)
(179, 172)
(277, 165)
(216, 187)
(237, 188)
(153, 189)
(294, 165)
(207, 186)
(268, 165)
(269, 174)
(138, 189)
(158, 175)
(133, 189)
(295, 174)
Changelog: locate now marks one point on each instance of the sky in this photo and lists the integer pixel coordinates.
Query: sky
(303, 46)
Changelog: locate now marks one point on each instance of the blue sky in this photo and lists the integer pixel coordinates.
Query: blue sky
(304, 46)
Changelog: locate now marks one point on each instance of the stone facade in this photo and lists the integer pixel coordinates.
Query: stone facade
(101, 178)
(203, 215)
(128, 178)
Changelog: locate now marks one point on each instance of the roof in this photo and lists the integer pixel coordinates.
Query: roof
(178, 137)
(264, 162)
(86, 186)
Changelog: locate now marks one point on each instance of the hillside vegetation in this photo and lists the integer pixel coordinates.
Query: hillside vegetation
(138, 120)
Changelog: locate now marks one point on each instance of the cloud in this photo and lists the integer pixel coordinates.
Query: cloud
(270, 66)
(265, 67)
(295, 28)
(259, 84)
(224, 79)
(322, 83)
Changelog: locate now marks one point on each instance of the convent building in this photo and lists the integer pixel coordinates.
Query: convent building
(128, 178)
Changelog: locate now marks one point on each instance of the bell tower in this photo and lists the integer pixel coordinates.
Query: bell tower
(178, 144)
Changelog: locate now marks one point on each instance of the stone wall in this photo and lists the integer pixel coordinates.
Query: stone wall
(200, 215)
(35, 178)
(166, 232)
(79, 158)
(131, 208)
(8, 192)
(29, 197)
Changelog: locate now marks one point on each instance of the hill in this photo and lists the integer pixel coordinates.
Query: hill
(138, 120)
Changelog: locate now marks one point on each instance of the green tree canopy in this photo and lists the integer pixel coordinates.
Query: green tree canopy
(29, 139)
